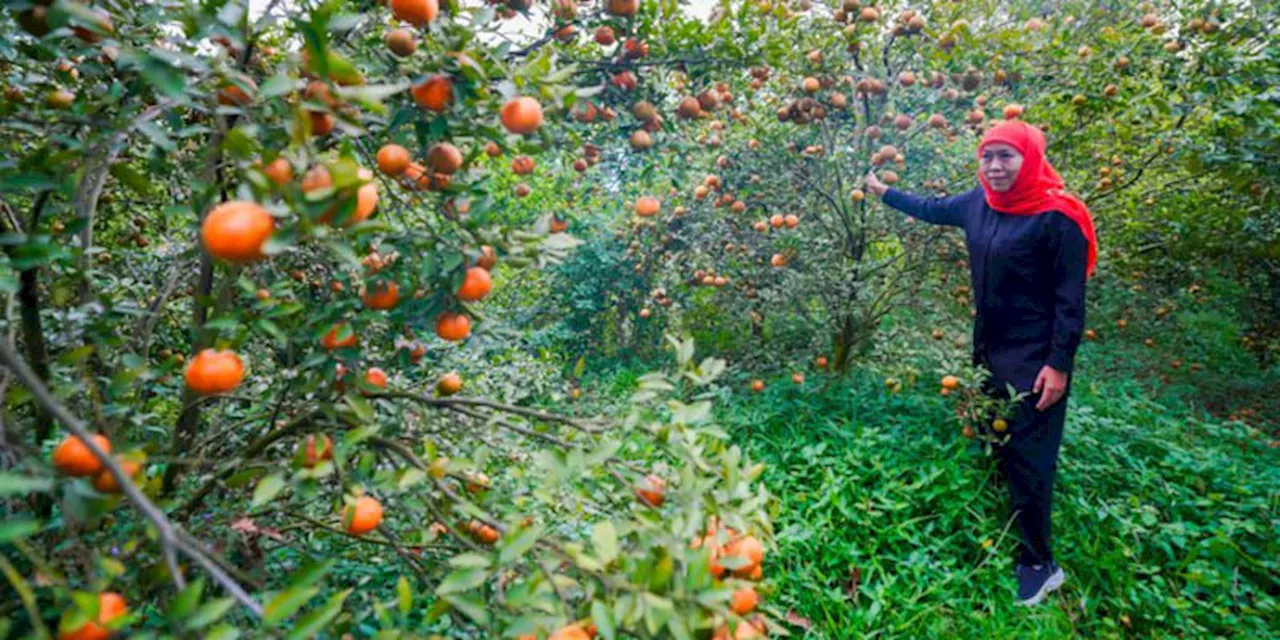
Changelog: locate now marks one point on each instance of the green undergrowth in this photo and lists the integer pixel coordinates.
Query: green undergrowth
(893, 525)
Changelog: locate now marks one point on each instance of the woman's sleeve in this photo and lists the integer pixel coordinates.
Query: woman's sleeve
(1068, 294)
(949, 211)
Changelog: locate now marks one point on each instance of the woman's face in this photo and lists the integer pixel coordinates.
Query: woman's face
(1000, 164)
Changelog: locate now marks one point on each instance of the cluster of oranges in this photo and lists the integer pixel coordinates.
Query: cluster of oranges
(745, 553)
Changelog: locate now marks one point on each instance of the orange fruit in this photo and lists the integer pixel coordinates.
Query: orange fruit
(571, 632)
(362, 516)
(316, 449)
(651, 491)
(559, 226)
(322, 123)
(401, 42)
(213, 371)
(384, 295)
(73, 457)
(415, 12)
(792, 220)
(492, 150)
(434, 93)
(744, 601)
(235, 231)
(647, 206)
(104, 482)
(331, 340)
(475, 285)
(797, 377)
(376, 377)
(522, 115)
(483, 532)
(110, 606)
(453, 326)
(279, 171)
(1012, 111)
(444, 158)
(776, 220)
(393, 159)
(316, 178)
(366, 199)
(449, 384)
(232, 94)
(622, 8)
(488, 258)
(523, 165)
(778, 260)
(757, 385)
(950, 382)
(60, 99)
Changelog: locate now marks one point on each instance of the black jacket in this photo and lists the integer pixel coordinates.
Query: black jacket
(1028, 275)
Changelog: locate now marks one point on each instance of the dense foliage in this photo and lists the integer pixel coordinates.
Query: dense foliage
(351, 318)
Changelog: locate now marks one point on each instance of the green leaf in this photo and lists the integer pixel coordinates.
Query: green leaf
(313, 623)
(404, 595)
(15, 528)
(462, 580)
(604, 620)
(13, 484)
(605, 540)
(285, 603)
(470, 607)
(186, 600)
(515, 544)
(267, 489)
(277, 85)
(209, 613)
(470, 560)
(222, 632)
(135, 180)
(311, 573)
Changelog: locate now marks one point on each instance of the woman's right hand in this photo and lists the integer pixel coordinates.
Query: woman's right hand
(875, 186)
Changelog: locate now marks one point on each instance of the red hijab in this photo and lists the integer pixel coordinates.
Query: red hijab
(1038, 187)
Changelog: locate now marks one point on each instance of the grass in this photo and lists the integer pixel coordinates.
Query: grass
(1166, 524)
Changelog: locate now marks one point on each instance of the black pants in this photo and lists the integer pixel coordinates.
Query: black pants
(1028, 463)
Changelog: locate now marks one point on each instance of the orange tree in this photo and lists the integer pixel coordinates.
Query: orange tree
(244, 242)
(770, 219)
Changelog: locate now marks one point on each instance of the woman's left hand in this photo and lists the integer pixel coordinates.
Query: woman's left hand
(1050, 384)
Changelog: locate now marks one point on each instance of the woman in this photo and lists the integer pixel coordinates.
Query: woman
(1031, 248)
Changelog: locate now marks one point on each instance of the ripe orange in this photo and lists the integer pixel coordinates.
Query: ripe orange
(401, 42)
(60, 99)
(235, 231)
(622, 8)
(73, 457)
(747, 547)
(279, 171)
(316, 178)
(316, 449)
(778, 260)
(797, 377)
(322, 123)
(475, 285)
(950, 382)
(376, 377)
(213, 371)
(757, 385)
(651, 491)
(1012, 111)
(488, 258)
(744, 601)
(449, 384)
(362, 516)
(110, 606)
(573, 631)
(647, 206)
(999, 425)
(821, 362)
(559, 226)
(523, 165)
(232, 94)
(393, 159)
(331, 341)
(415, 12)
(434, 93)
(522, 115)
(453, 326)
(444, 158)
(776, 220)
(482, 532)
(605, 36)
(384, 295)
(104, 482)
(492, 149)
(366, 199)
(792, 220)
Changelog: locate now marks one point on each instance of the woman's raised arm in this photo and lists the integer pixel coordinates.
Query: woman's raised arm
(946, 211)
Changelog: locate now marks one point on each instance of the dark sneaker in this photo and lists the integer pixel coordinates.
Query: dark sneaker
(1037, 581)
